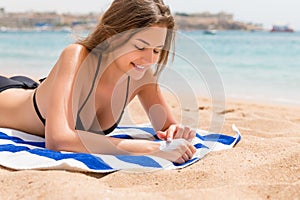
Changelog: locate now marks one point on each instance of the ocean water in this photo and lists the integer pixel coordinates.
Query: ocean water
(253, 65)
(245, 65)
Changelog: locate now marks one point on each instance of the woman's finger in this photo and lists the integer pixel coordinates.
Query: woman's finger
(179, 132)
(192, 134)
(180, 160)
(170, 133)
(193, 149)
(185, 157)
(189, 153)
(186, 133)
(161, 135)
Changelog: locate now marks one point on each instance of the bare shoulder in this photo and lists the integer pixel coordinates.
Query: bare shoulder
(75, 48)
(74, 52)
(70, 59)
(67, 65)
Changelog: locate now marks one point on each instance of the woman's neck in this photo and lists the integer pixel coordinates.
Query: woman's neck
(111, 74)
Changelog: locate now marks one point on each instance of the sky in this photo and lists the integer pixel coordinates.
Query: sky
(266, 12)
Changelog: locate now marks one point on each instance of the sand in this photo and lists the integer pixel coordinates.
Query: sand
(264, 165)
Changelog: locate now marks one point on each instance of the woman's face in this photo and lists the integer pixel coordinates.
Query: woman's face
(142, 51)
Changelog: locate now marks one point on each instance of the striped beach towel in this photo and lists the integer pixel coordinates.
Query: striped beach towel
(20, 151)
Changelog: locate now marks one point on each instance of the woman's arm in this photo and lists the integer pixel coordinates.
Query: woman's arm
(156, 107)
(160, 115)
(179, 150)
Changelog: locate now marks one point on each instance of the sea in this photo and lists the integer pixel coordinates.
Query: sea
(259, 66)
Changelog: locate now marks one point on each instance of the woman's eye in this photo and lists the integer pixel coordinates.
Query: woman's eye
(139, 48)
(156, 51)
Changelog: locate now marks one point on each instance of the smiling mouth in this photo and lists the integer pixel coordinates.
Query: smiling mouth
(138, 67)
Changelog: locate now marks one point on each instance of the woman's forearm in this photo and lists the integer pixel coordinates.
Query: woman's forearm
(179, 150)
(87, 142)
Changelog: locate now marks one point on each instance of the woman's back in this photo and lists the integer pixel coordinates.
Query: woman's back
(16, 105)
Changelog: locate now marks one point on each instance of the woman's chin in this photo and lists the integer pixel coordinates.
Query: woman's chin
(136, 75)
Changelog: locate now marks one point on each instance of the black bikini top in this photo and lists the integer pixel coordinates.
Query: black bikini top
(79, 124)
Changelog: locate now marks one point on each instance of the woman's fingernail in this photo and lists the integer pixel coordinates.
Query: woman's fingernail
(169, 139)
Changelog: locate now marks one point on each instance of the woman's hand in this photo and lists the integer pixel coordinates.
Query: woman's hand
(178, 150)
(176, 131)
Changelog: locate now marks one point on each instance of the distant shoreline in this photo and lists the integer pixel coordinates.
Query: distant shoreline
(54, 21)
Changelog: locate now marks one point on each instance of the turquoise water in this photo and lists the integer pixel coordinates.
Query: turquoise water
(251, 65)
(256, 65)
(31, 52)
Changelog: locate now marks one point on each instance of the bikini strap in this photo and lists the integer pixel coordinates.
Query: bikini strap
(93, 85)
(36, 108)
(126, 99)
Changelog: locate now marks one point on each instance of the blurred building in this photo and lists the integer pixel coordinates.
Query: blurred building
(51, 20)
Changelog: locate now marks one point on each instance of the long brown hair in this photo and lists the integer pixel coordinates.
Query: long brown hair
(124, 15)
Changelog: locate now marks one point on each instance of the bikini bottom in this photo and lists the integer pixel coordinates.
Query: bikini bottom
(17, 82)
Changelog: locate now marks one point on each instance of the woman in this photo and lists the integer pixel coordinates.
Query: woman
(92, 82)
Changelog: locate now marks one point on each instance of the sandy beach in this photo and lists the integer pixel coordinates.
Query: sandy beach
(264, 165)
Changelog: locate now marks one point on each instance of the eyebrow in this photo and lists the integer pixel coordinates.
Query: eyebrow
(147, 43)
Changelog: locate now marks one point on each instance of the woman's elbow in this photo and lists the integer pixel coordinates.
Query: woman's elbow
(57, 144)
(65, 141)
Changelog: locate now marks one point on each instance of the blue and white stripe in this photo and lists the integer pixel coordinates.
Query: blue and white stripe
(19, 151)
